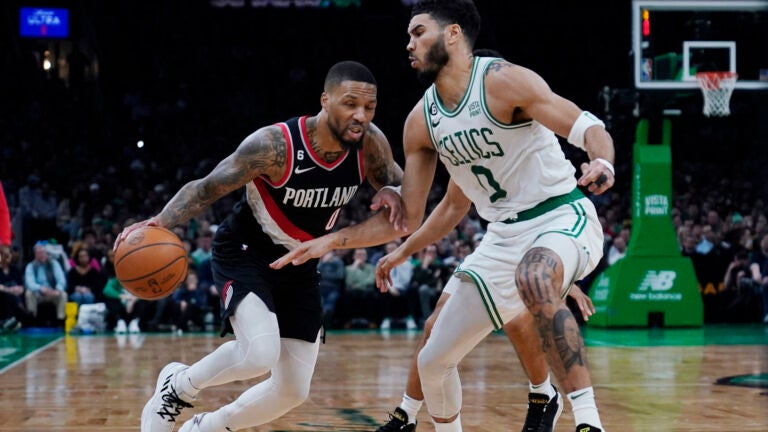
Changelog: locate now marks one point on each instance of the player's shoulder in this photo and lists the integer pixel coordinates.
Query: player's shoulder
(265, 139)
(417, 112)
(500, 68)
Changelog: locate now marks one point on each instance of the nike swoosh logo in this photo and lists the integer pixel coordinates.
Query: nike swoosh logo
(435, 123)
(303, 170)
(579, 395)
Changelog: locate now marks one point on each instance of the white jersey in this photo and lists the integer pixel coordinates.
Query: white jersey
(502, 168)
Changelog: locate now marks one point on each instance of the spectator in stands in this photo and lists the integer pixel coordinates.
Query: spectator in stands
(740, 289)
(84, 283)
(618, 246)
(331, 268)
(203, 249)
(45, 283)
(122, 306)
(428, 280)
(191, 303)
(759, 271)
(399, 294)
(617, 250)
(12, 310)
(80, 245)
(360, 297)
(206, 282)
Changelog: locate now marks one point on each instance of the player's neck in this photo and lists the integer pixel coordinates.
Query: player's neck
(453, 80)
(323, 142)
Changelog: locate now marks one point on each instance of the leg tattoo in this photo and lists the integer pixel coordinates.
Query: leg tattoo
(568, 339)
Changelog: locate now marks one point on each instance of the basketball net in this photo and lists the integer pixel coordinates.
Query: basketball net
(717, 88)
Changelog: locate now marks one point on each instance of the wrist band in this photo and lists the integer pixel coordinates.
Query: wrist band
(396, 189)
(580, 126)
(607, 165)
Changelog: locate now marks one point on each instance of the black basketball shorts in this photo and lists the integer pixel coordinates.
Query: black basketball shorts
(292, 293)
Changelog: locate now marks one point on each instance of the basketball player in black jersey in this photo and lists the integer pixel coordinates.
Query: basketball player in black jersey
(297, 176)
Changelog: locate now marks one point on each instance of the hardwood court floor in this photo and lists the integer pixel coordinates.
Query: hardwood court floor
(645, 380)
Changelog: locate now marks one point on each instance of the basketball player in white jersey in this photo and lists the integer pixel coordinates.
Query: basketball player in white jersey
(493, 125)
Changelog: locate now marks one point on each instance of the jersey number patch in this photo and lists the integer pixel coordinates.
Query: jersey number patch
(498, 192)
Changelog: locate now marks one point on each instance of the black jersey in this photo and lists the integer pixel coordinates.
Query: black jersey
(306, 201)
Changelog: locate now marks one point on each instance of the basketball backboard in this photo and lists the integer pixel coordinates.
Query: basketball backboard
(674, 39)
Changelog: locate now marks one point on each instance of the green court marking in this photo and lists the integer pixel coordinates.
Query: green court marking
(14, 347)
(712, 334)
(752, 381)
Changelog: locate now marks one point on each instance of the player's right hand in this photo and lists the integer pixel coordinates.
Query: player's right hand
(129, 229)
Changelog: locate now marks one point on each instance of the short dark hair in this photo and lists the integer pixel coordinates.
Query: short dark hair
(445, 12)
(348, 71)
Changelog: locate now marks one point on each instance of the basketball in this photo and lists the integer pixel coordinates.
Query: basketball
(151, 263)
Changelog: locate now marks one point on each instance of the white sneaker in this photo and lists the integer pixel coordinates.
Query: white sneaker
(121, 327)
(160, 412)
(133, 326)
(193, 424)
(385, 324)
(410, 324)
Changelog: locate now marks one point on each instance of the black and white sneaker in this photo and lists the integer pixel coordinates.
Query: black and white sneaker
(398, 422)
(543, 412)
(583, 427)
(159, 414)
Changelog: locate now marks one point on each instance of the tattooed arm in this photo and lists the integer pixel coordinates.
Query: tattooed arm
(380, 167)
(261, 153)
(382, 170)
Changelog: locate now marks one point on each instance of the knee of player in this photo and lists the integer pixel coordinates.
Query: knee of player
(430, 365)
(293, 394)
(261, 354)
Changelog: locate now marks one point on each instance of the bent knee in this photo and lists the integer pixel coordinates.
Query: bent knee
(261, 354)
(431, 365)
(293, 395)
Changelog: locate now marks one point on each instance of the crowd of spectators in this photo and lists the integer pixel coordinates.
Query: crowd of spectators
(74, 176)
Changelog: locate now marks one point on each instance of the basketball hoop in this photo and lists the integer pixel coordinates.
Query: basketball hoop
(717, 88)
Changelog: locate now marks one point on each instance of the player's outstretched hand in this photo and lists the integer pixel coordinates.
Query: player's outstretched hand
(585, 303)
(129, 229)
(386, 264)
(386, 198)
(302, 253)
(596, 177)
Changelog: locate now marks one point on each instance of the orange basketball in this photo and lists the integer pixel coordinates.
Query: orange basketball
(151, 263)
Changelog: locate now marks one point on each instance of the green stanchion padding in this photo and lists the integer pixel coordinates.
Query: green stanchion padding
(653, 282)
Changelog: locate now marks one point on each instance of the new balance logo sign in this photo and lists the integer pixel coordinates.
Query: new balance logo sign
(656, 286)
(662, 280)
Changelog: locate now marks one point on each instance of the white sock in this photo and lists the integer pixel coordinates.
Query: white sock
(454, 426)
(543, 388)
(584, 408)
(411, 407)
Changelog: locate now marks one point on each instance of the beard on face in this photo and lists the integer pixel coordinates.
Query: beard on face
(338, 132)
(434, 60)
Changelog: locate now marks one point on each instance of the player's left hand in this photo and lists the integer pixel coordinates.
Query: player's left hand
(596, 177)
(583, 301)
(386, 198)
(386, 264)
(302, 253)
